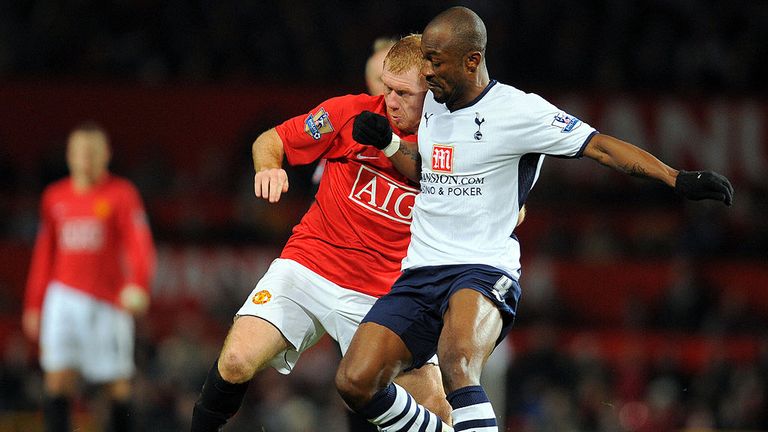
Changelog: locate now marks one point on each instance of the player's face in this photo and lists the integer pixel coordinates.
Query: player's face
(442, 69)
(404, 97)
(87, 155)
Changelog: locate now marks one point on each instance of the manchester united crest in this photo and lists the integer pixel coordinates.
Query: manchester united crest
(261, 297)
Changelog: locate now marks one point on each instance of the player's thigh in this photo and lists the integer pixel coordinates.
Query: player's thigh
(282, 321)
(471, 327)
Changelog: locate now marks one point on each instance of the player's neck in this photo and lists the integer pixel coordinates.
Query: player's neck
(474, 89)
(84, 183)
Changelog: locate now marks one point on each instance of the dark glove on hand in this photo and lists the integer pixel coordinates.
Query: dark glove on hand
(700, 185)
(372, 129)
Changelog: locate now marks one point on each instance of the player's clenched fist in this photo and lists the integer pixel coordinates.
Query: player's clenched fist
(270, 184)
(373, 129)
(699, 185)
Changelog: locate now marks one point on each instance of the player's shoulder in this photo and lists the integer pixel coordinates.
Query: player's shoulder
(58, 188)
(506, 90)
(511, 94)
(524, 103)
(121, 185)
(356, 103)
(340, 111)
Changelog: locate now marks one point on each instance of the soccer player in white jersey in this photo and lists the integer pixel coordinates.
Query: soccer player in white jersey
(480, 147)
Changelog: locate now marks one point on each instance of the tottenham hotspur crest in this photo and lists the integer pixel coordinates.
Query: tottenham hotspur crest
(479, 121)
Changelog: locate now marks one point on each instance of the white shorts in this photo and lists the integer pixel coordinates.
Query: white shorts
(304, 306)
(80, 332)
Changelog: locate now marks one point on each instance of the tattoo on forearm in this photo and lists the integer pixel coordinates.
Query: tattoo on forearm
(635, 170)
(412, 152)
(414, 155)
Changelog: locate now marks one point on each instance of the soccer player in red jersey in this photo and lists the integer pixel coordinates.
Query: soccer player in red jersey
(345, 252)
(91, 267)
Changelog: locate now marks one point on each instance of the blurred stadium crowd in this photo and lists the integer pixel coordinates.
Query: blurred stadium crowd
(639, 313)
(614, 44)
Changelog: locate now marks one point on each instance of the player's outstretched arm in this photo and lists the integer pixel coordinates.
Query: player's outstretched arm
(373, 129)
(271, 179)
(625, 157)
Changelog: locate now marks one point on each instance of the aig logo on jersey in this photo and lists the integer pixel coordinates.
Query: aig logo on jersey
(318, 124)
(442, 158)
(83, 234)
(565, 122)
(380, 194)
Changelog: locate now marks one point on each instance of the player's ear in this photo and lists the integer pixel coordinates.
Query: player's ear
(472, 61)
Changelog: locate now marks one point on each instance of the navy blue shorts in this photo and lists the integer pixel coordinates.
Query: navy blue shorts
(415, 306)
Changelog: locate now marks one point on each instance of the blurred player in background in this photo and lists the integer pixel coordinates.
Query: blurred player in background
(345, 252)
(481, 146)
(375, 65)
(91, 268)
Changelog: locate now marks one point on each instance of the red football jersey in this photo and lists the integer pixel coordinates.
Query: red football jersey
(357, 231)
(95, 241)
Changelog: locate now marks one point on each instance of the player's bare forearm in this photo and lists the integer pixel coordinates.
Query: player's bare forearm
(267, 151)
(270, 180)
(630, 159)
(407, 160)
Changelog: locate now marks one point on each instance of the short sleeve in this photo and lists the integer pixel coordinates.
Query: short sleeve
(552, 131)
(316, 134)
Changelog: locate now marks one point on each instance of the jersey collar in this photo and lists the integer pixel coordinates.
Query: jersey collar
(480, 96)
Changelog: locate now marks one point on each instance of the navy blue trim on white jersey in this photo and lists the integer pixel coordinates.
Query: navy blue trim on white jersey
(480, 96)
(579, 153)
(526, 173)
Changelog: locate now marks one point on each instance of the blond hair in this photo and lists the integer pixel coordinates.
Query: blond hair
(383, 43)
(404, 55)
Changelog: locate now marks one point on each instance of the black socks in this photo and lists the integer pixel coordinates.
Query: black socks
(218, 401)
(121, 416)
(56, 414)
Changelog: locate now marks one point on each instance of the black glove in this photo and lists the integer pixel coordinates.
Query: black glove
(699, 185)
(372, 129)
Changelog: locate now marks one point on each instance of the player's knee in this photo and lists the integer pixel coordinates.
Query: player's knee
(120, 390)
(235, 367)
(61, 383)
(354, 385)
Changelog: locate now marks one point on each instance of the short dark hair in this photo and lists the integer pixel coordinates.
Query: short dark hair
(467, 29)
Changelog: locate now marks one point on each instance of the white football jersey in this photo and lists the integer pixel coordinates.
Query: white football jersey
(478, 165)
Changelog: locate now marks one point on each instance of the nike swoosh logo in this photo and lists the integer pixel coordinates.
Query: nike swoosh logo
(363, 157)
